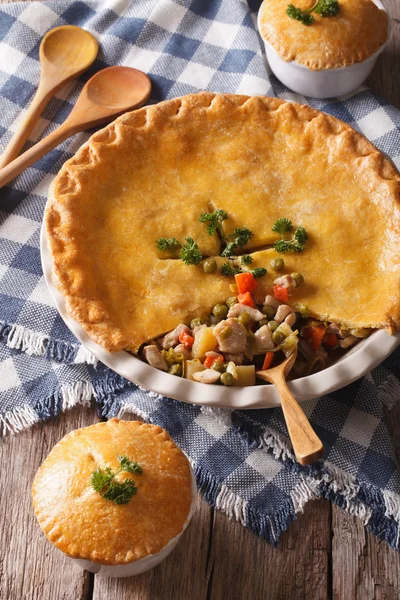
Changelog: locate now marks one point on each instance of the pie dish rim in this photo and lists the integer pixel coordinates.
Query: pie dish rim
(357, 362)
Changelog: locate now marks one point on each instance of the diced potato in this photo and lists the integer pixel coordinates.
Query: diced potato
(204, 341)
(192, 366)
(246, 375)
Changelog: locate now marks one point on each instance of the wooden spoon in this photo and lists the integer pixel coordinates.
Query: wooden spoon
(306, 444)
(107, 94)
(65, 53)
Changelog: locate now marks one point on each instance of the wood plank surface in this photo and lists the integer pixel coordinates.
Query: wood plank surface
(30, 568)
(325, 554)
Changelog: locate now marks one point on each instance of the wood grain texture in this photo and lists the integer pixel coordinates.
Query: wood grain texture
(30, 567)
(325, 554)
(244, 566)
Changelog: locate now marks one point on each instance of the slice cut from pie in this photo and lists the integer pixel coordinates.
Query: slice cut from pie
(152, 172)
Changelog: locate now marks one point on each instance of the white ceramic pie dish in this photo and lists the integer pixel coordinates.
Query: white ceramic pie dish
(326, 83)
(148, 562)
(357, 362)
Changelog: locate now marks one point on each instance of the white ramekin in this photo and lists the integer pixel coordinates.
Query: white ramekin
(146, 563)
(326, 83)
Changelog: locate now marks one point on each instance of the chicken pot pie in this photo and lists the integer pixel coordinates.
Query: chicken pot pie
(152, 172)
(351, 36)
(114, 493)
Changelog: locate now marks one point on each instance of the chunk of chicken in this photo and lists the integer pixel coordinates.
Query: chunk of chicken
(171, 339)
(236, 358)
(181, 349)
(263, 337)
(207, 376)
(271, 301)
(154, 357)
(286, 281)
(283, 311)
(348, 341)
(236, 341)
(238, 309)
(291, 319)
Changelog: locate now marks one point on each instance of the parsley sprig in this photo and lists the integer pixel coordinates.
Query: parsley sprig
(238, 239)
(190, 252)
(167, 243)
(103, 481)
(296, 243)
(325, 8)
(233, 266)
(214, 220)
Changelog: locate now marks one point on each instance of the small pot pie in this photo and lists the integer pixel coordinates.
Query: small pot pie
(152, 172)
(107, 531)
(358, 30)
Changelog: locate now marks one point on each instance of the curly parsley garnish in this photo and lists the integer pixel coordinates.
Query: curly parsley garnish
(167, 243)
(240, 236)
(190, 252)
(298, 241)
(239, 264)
(325, 8)
(214, 220)
(103, 481)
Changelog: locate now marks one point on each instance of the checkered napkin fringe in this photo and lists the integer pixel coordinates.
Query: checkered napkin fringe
(243, 460)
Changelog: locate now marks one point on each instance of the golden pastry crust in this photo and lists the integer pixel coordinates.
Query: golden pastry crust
(354, 34)
(81, 523)
(151, 174)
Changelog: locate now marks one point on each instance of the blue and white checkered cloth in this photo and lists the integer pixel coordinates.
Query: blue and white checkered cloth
(243, 460)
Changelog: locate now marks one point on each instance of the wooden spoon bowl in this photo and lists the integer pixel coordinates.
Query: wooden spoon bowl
(65, 52)
(106, 95)
(306, 444)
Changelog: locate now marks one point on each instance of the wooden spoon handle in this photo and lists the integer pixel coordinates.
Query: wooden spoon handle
(42, 97)
(306, 444)
(37, 151)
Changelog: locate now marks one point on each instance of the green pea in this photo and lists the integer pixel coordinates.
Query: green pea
(273, 325)
(225, 332)
(244, 319)
(195, 323)
(231, 301)
(219, 366)
(278, 337)
(277, 264)
(226, 379)
(175, 370)
(210, 265)
(263, 322)
(299, 279)
(268, 311)
(220, 311)
(303, 309)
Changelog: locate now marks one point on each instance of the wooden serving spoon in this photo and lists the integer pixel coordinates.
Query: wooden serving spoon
(306, 444)
(65, 53)
(106, 95)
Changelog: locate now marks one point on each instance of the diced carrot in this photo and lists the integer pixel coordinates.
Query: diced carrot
(314, 335)
(281, 293)
(246, 299)
(331, 340)
(246, 282)
(186, 339)
(267, 360)
(210, 360)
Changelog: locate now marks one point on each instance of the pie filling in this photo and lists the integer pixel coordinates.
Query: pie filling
(239, 338)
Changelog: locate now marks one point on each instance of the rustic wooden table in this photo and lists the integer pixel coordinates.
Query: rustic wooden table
(324, 554)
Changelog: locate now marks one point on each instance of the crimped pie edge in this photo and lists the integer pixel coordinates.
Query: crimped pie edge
(90, 313)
